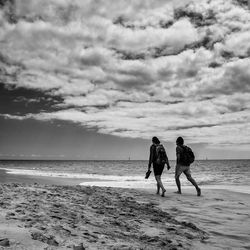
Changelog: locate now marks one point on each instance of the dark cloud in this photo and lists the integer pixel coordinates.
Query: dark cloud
(9, 10)
(21, 101)
(243, 3)
(197, 18)
(214, 65)
(126, 55)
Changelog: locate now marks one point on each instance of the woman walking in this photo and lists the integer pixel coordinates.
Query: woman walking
(158, 158)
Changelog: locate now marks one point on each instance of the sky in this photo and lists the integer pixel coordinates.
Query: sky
(97, 79)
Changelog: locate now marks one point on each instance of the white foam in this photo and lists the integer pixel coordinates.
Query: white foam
(121, 184)
(137, 181)
(72, 175)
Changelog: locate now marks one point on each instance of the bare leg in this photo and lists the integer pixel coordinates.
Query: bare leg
(189, 177)
(159, 182)
(178, 183)
(158, 186)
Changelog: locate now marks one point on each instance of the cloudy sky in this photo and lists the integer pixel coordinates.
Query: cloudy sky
(96, 79)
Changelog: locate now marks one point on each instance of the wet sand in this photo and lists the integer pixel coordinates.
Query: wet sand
(42, 216)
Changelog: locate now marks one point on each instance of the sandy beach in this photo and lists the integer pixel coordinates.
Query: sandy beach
(37, 216)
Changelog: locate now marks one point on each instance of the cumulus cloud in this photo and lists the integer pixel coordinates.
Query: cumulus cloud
(133, 70)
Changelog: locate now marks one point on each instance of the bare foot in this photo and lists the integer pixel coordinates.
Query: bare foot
(198, 192)
(163, 193)
(178, 192)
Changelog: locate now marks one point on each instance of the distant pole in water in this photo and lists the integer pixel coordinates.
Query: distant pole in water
(129, 158)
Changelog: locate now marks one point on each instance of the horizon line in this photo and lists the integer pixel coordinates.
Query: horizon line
(60, 159)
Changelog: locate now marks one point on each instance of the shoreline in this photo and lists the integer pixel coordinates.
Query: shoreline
(6, 177)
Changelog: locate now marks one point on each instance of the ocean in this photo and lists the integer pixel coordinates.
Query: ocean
(228, 174)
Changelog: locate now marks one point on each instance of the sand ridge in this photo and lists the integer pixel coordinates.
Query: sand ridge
(78, 217)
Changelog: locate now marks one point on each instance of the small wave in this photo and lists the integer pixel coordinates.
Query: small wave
(35, 172)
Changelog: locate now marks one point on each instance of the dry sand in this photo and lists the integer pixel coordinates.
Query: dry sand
(36, 216)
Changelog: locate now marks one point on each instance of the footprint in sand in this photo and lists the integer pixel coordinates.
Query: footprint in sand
(218, 199)
(174, 209)
(4, 242)
(80, 247)
(217, 208)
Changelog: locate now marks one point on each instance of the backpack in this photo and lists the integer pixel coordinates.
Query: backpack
(161, 156)
(187, 156)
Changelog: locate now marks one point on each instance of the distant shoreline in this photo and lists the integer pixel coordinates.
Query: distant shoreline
(116, 160)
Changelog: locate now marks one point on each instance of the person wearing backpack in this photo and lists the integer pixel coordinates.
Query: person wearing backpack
(158, 158)
(184, 157)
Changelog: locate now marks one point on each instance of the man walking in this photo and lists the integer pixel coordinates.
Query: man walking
(183, 165)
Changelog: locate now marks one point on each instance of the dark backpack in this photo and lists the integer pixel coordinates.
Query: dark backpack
(187, 156)
(161, 156)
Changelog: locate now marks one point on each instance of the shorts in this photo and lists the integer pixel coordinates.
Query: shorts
(158, 169)
(182, 169)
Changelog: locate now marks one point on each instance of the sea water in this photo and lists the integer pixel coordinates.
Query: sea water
(228, 174)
